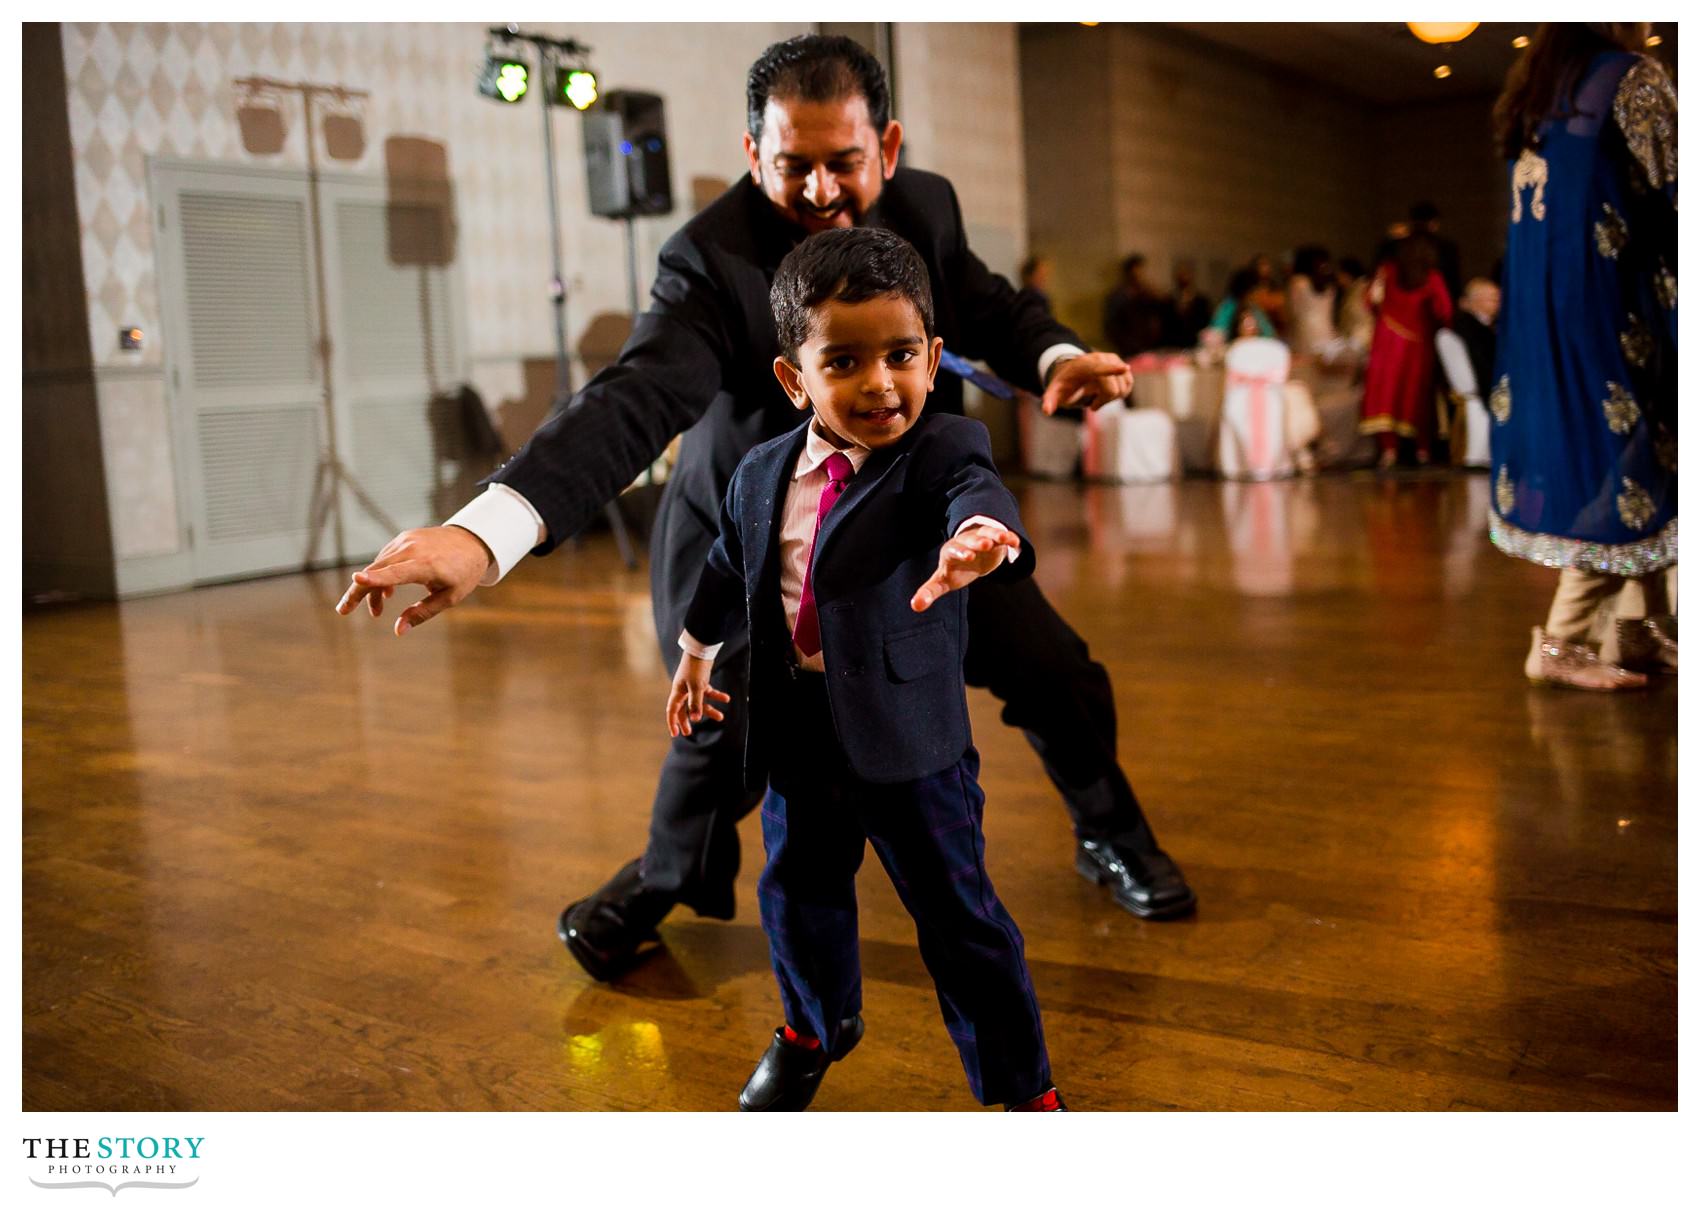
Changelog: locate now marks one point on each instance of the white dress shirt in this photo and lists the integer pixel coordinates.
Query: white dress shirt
(510, 526)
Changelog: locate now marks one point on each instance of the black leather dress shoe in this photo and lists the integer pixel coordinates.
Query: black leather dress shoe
(787, 1076)
(1148, 885)
(606, 932)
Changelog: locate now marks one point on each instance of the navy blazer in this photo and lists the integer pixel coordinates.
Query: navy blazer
(893, 677)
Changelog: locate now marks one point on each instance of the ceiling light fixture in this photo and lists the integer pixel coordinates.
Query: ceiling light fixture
(1442, 31)
(1520, 41)
(1655, 40)
(1442, 72)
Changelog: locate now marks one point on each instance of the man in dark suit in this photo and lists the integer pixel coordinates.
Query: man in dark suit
(1478, 312)
(822, 153)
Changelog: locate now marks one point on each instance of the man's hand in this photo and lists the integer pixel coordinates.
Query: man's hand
(446, 560)
(1088, 381)
(969, 556)
(688, 700)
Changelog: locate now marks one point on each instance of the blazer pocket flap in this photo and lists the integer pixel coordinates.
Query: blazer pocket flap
(909, 655)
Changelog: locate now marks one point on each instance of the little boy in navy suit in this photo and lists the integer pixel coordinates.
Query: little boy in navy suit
(842, 543)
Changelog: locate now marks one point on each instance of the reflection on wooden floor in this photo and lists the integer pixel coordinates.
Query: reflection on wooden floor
(274, 859)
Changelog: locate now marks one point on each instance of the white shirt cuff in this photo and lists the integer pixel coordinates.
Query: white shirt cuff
(509, 525)
(1055, 354)
(696, 648)
(982, 520)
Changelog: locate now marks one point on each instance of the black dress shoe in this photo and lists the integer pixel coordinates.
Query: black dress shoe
(787, 1076)
(606, 932)
(1146, 885)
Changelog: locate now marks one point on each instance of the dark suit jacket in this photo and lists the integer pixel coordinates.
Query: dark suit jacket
(1480, 341)
(700, 361)
(893, 677)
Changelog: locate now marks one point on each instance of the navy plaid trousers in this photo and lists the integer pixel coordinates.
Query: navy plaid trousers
(927, 836)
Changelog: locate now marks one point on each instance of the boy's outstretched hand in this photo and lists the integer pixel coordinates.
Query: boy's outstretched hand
(971, 554)
(688, 700)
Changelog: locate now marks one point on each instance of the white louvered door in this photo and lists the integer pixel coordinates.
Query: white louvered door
(240, 309)
(236, 290)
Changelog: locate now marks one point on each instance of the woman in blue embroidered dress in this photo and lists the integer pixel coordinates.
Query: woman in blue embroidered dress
(1584, 393)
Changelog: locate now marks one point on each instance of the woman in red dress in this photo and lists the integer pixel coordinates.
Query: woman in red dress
(1411, 304)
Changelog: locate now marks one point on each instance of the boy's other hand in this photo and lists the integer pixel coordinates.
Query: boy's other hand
(970, 555)
(1088, 381)
(688, 700)
(447, 560)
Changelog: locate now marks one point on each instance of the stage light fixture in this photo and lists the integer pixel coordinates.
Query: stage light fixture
(574, 86)
(1655, 40)
(1442, 72)
(1521, 41)
(504, 78)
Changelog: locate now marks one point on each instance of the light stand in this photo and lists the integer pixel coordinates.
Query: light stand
(547, 50)
(332, 473)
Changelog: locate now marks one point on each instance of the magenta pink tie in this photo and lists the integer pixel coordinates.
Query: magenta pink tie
(807, 634)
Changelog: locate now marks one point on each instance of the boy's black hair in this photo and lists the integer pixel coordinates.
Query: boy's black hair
(817, 67)
(851, 264)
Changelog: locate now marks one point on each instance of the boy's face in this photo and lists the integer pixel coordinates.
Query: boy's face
(866, 367)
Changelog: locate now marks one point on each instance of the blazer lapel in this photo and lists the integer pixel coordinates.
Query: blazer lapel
(764, 490)
(875, 469)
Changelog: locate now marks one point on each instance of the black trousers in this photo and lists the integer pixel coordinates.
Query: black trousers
(926, 833)
(1019, 648)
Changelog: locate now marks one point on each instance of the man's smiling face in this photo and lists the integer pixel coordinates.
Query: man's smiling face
(821, 163)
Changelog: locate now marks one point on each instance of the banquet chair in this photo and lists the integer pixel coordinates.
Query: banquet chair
(1470, 414)
(1252, 441)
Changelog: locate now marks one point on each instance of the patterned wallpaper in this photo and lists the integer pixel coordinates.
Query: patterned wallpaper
(165, 90)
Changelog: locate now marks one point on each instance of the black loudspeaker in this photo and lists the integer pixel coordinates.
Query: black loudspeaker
(625, 156)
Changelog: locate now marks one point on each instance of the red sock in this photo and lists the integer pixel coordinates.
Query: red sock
(1048, 1102)
(794, 1037)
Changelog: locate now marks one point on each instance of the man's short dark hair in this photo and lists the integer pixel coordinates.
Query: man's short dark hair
(1424, 212)
(1133, 261)
(852, 265)
(817, 67)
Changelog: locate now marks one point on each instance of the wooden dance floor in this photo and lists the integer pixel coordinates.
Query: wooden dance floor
(276, 859)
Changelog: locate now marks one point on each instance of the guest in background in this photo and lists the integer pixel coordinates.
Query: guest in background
(1267, 295)
(1133, 312)
(1478, 311)
(1357, 318)
(1186, 313)
(1239, 298)
(1311, 295)
(1389, 246)
(1425, 218)
(1036, 277)
(1585, 400)
(1248, 322)
(1411, 303)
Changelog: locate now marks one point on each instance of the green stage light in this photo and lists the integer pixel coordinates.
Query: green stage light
(574, 86)
(504, 79)
(581, 89)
